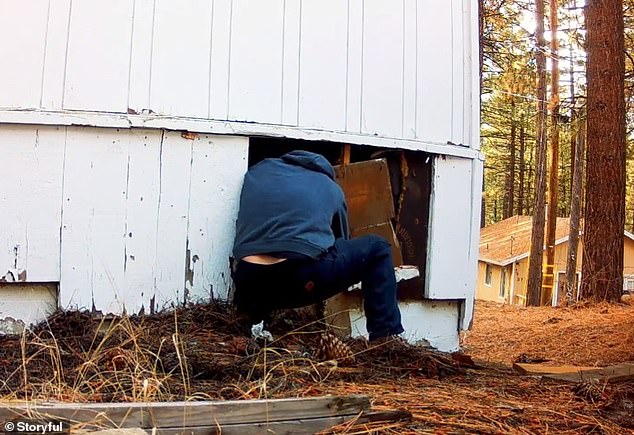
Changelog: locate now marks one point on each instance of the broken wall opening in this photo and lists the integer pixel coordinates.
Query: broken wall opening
(388, 192)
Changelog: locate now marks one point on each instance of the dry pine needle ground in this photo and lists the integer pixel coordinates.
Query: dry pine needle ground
(201, 353)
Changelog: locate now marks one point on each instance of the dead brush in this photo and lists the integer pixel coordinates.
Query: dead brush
(119, 366)
(121, 363)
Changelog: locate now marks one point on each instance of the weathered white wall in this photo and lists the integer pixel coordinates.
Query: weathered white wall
(434, 321)
(25, 304)
(122, 218)
(454, 231)
(391, 68)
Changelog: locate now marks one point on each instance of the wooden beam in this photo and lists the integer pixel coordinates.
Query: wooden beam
(617, 373)
(298, 426)
(189, 414)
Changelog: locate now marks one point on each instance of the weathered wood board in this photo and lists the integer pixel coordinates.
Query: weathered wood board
(617, 373)
(191, 414)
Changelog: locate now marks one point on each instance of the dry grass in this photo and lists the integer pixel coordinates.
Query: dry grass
(199, 353)
(584, 335)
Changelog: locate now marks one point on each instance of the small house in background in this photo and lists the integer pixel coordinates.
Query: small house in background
(126, 128)
(503, 262)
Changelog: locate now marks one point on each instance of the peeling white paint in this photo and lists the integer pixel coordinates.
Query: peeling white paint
(25, 304)
(434, 321)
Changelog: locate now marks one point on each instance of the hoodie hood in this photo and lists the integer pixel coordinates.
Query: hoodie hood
(314, 162)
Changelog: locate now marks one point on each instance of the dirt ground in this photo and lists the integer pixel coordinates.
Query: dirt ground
(582, 335)
(201, 353)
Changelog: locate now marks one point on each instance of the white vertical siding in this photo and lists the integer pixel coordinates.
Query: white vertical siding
(410, 83)
(143, 185)
(220, 52)
(458, 72)
(218, 166)
(451, 225)
(93, 218)
(291, 56)
(98, 55)
(393, 68)
(30, 201)
(354, 77)
(255, 88)
(133, 208)
(180, 75)
(171, 219)
(141, 55)
(434, 71)
(55, 55)
(323, 64)
(22, 64)
(382, 81)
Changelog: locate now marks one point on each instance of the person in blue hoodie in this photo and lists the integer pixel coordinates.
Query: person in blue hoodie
(292, 246)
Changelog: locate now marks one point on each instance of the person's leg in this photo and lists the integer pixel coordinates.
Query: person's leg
(251, 291)
(367, 259)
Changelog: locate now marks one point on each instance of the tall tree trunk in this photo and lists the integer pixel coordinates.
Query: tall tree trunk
(510, 175)
(522, 167)
(575, 214)
(573, 121)
(602, 270)
(553, 185)
(537, 234)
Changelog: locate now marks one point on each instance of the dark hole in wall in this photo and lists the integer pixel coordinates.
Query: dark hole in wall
(410, 179)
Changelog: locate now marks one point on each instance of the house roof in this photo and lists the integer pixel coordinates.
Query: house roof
(509, 240)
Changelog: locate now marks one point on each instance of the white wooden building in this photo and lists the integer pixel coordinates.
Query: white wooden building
(126, 127)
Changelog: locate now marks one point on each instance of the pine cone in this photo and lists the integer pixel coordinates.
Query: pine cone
(332, 348)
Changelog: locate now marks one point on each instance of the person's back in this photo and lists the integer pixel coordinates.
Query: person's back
(288, 205)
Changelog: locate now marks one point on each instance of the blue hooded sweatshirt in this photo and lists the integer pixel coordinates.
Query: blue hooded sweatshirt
(290, 204)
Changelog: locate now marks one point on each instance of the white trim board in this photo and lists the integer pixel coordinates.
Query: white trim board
(118, 120)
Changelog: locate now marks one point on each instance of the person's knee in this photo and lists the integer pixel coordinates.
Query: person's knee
(378, 243)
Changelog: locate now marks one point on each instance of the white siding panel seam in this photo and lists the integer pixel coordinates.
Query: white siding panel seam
(70, 14)
(151, 55)
(54, 57)
(127, 104)
(403, 74)
(61, 212)
(211, 55)
(416, 85)
(229, 58)
(291, 63)
(299, 68)
(48, 17)
(345, 124)
(361, 111)
(451, 112)
(188, 259)
(282, 73)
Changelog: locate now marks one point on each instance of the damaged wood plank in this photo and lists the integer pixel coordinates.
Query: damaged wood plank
(617, 373)
(191, 414)
(294, 426)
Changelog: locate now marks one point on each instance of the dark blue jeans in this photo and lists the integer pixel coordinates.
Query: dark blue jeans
(293, 283)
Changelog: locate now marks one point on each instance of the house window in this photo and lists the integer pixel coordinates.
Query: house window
(628, 284)
(502, 293)
(488, 275)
